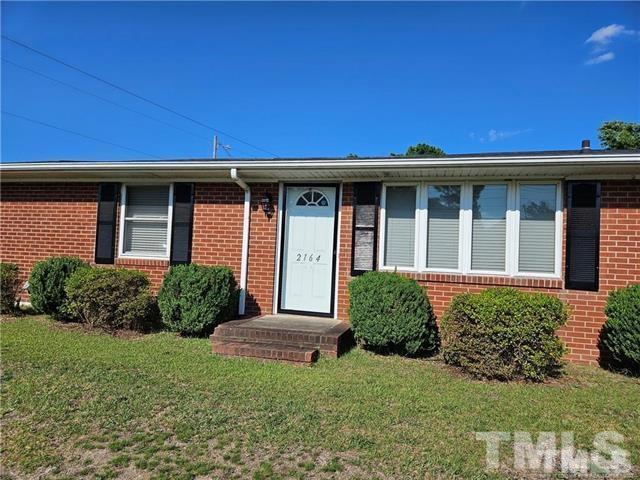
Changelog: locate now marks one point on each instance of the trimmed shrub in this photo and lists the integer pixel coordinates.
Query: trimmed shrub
(47, 281)
(504, 334)
(620, 335)
(9, 287)
(194, 299)
(110, 298)
(390, 313)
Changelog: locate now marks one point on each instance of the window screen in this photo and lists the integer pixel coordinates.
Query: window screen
(537, 228)
(400, 226)
(489, 227)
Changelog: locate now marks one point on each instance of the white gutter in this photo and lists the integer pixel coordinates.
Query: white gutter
(245, 240)
(392, 162)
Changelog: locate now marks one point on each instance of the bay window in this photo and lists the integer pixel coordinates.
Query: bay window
(145, 221)
(502, 228)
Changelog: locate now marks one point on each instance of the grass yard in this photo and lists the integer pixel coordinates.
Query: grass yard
(85, 404)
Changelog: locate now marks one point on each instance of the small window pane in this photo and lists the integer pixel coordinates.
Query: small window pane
(489, 228)
(400, 226)
(148, 201)
(537, 228)
(145, 238)
(443, 226)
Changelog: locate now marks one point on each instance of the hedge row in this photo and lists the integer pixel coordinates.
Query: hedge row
(500, 333)
(193, 299)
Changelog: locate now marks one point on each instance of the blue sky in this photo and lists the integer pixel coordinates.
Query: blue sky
(318, 79)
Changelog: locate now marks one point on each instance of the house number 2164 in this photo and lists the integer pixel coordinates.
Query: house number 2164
(307, 257)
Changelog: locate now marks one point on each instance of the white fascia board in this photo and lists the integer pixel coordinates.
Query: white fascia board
(182, 167)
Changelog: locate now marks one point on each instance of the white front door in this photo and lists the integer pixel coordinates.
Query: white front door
(307, 262)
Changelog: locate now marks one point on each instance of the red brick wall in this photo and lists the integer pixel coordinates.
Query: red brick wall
(217, 225)
(344, 262)
(262, 251)
(40, 220)
(619, 266)
(49, 219)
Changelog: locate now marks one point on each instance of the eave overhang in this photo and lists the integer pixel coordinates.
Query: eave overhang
(586, 165)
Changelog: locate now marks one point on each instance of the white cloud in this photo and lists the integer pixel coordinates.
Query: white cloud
(605, 57)
(494, 135)
(601, 40)
(605, 35)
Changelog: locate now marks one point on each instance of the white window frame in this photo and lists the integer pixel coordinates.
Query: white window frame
(123, 218)
(558, 231)
(466, 222)
(383, 220)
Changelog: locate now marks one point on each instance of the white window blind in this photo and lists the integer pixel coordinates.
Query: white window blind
(489, 227)
(400, 226)
(443, 226)
(537, 228)
(146, 220)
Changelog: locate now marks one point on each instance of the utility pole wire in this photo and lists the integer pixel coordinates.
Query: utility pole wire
(77, 89)
(140, 97)
(37, 122)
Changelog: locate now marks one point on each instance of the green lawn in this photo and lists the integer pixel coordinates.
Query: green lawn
(78, 404)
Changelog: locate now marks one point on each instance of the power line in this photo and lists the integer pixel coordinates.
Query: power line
(140, 97)
(37, 122)
(85, 92)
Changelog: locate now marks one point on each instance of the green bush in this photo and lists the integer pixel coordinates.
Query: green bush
(47, 281)
(504, 334)
(194, 299)
(110, 298)
(620, 335)
(390, 313)
(9, 287)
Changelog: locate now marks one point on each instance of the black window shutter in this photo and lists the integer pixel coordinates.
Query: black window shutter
(583, 236)
(106, 227)
(364, 243)
(182, 226)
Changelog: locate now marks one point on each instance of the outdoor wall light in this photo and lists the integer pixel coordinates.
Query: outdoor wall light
(267, 204)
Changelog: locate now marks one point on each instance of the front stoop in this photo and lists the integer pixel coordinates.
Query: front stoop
(282, 337)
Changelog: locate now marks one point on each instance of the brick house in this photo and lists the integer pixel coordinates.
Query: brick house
(295, 231)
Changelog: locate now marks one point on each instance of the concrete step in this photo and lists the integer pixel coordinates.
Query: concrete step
(268, 351)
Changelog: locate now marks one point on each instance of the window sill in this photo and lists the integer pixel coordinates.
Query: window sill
(485, 279)
(142, 261)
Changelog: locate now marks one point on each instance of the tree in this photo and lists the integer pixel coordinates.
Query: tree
(619, 135)
(421, 150)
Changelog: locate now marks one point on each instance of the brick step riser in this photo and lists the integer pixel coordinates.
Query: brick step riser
(326, 349)
(263, 353)
(276, 336)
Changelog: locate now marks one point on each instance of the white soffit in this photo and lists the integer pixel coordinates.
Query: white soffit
(395, 168)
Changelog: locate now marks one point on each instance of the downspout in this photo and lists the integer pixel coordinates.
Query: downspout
(245, 239)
